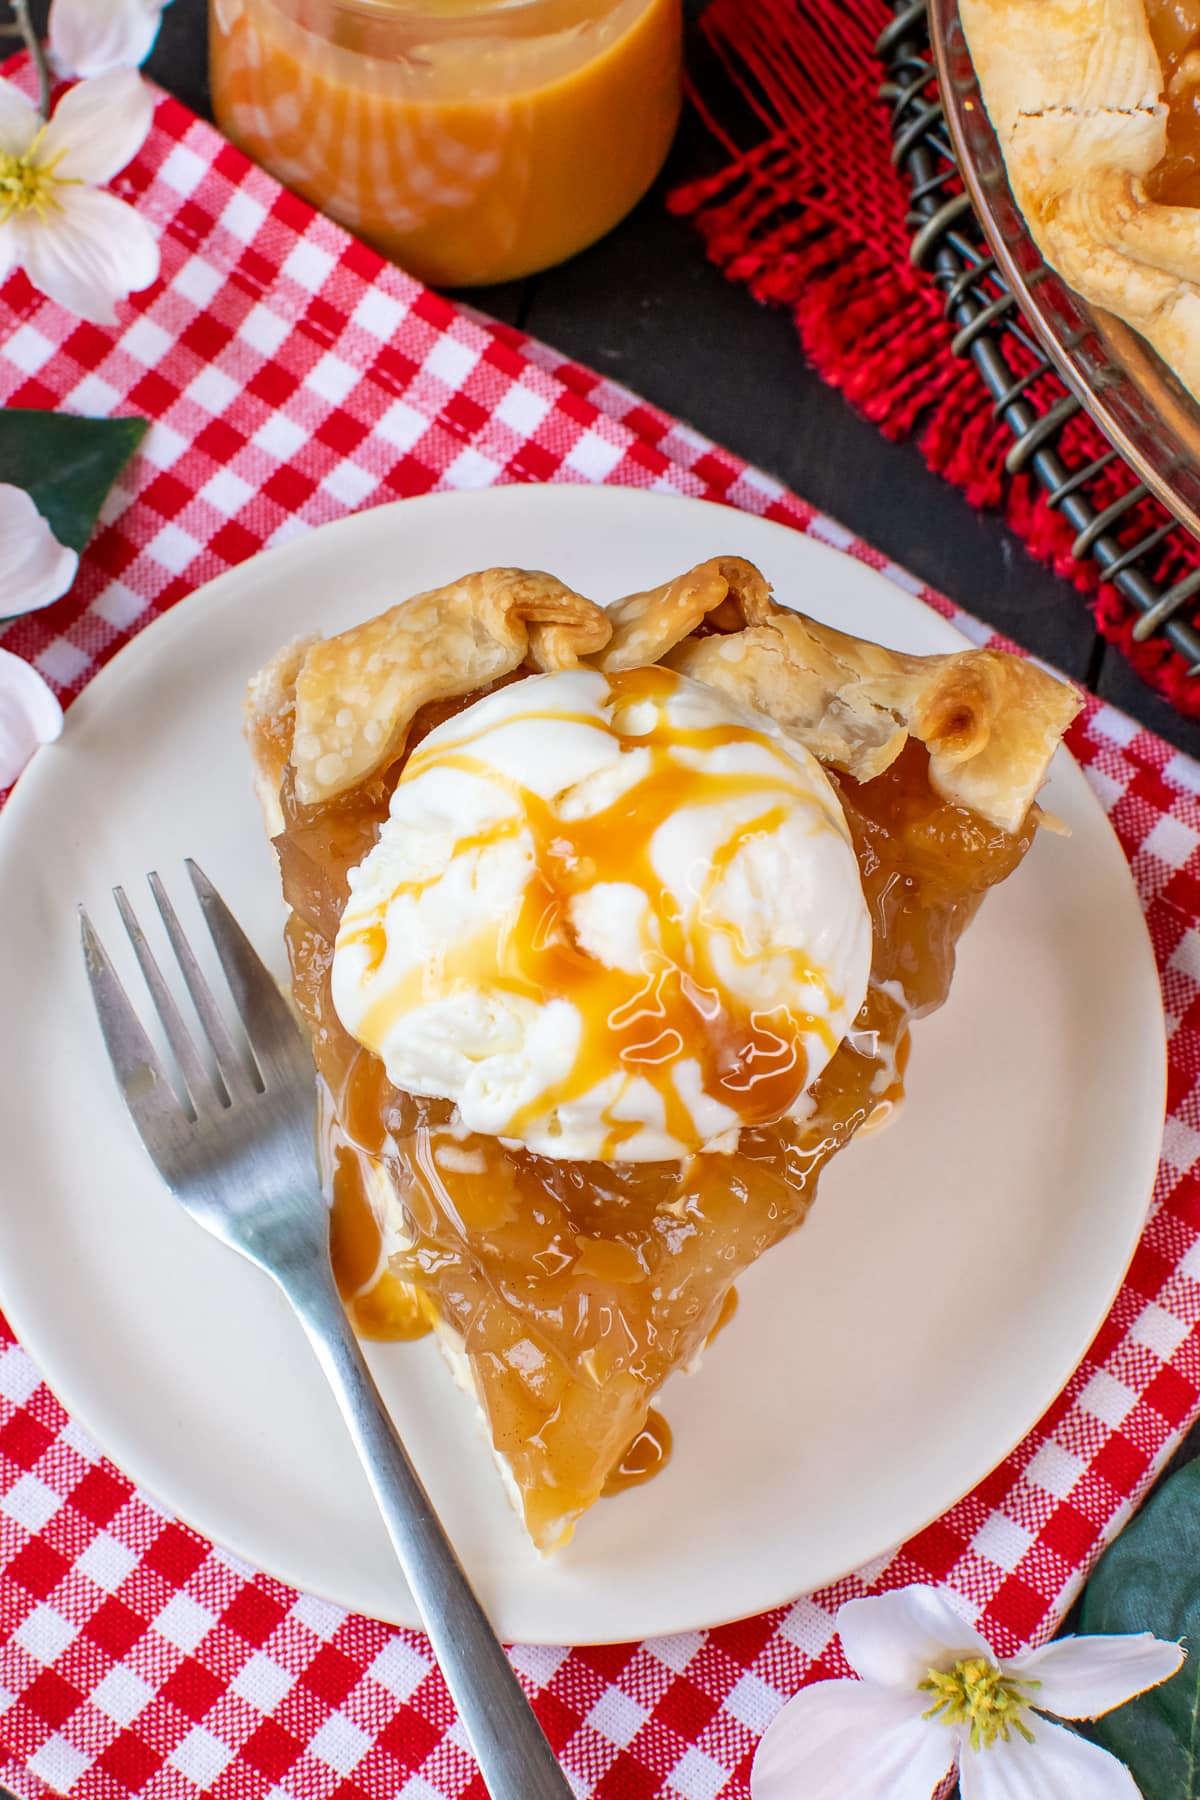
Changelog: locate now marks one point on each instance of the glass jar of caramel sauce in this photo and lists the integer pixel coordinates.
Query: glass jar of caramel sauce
(472, 141)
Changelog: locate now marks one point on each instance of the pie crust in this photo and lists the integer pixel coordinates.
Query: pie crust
(564, 1294)
(1092, 102)
(989, 721)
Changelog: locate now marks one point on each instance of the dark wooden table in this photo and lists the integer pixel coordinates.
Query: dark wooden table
(645, 307)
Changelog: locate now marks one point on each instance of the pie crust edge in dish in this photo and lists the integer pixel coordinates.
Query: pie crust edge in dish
(1075, 92)
(990, 723)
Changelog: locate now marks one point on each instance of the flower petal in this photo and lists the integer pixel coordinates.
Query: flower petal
(1082, 1677)
(897, 1637)
(19, 120)
(98, 127)
(90, 37)
(9, 249)
(1058, 1765)
(88, 255)
(34, 567)
(29, 715)
(851, 1740)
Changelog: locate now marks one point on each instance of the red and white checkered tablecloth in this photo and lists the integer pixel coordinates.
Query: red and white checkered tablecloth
(292, 377)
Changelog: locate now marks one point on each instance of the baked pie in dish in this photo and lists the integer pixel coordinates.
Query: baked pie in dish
(609, 926)
(1096, 105)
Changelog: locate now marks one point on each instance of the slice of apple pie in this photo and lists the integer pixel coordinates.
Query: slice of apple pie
(609, 926)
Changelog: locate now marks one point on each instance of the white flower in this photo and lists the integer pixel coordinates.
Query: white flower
(90, 37)
(84, 248)
(29, 715)
(34, 567)
(934, 1696)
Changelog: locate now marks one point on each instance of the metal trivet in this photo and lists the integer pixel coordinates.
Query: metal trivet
(948, 241)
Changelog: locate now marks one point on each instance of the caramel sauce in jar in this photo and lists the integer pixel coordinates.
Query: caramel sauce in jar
(471, 140)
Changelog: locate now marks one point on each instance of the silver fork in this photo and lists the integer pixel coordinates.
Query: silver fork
(239, 1156)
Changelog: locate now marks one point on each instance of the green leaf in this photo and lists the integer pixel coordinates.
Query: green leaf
(1149, 1580)
(68, 465)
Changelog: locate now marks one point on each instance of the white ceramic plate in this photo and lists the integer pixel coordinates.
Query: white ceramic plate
(882, 1360)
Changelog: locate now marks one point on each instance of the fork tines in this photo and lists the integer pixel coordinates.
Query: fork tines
(243, 1065)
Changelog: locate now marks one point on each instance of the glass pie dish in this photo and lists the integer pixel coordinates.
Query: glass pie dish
(1127, 389)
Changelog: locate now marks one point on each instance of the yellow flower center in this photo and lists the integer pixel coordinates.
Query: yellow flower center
(27, 184)
(977, 1694)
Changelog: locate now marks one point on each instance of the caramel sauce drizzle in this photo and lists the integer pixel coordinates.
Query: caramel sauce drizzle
(643, 1459)
(729, 1306)
(675, 1008)
(380, 1304)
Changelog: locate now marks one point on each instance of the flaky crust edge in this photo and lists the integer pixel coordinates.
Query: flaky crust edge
(990, 721)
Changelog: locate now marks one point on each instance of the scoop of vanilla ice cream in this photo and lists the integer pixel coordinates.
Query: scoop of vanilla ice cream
(586, 887)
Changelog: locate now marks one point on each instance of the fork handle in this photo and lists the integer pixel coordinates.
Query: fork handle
(514, 1757)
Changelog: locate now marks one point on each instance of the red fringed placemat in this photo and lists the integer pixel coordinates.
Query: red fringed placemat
(811, 216)
(291, 377)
